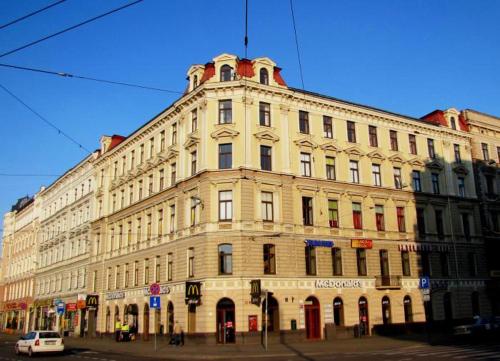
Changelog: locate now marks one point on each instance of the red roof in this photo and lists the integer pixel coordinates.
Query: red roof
(208, 73)
(462, 122)
(436, 117)
(277, 76)
(245, 68)
(115, 140)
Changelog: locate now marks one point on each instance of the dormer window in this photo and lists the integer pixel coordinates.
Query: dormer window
(195, 81)
(453, 123)
(264, 76)
(226, 73)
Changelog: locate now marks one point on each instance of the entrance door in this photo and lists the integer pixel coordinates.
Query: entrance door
(170, 318)
(313, 321)
(145, 330)
(386, 310)
(363, 316)
(273, 315)
(226, 324)
(191, 318)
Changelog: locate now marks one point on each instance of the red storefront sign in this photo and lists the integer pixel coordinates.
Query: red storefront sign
(252, 323)
(361, 243)
(15, 306)
(70, 307)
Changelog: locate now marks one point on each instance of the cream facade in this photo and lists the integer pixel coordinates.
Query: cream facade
(244, 178)
(63, 249)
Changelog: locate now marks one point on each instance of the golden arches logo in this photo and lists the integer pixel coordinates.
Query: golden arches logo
(193, 290)
(255, 287)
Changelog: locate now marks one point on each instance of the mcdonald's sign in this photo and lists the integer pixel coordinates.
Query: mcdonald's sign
(255, 292)
(92, 302)
(193, 292)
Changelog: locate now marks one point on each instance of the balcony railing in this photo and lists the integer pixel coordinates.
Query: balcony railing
(386, 282)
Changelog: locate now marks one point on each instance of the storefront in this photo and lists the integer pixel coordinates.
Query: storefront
(45, 314)
(16, 316)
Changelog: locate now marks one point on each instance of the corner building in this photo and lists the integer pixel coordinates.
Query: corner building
(337, 208)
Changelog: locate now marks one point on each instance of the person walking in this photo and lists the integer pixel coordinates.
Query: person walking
(125, 331)
(177, 333)
(118, 328)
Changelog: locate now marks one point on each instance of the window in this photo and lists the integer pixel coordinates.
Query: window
(377, 179)
(421, 222)
(413, 143)
(225, 205)
(310, 252)
(194, 120)
(126, 278)
(139, 229)
(400, 212)
(456, 151)
(146, 271)
(170, 264)
(384, 263)
(307, 211)
(379, 217)
(351, 132)
(430, 148)
(393, 135)
(265, 114)
(461, 186)
(304, 122)
(398, 182)
(354, 171)
(148, 226)
(372, 135)
(162, 179)
(424, 263)
(150, 185)
(361, 261)
(225, 112)
(115, 170)
(438, 214)
(132, 162)
(225, 156)
(269, 259)
(333, 213)
(357, 218)
(330, 168)
(267, 206)
(195, 81)
(157, 269)
(264, 76)
(453, 123)
(173, 174)
(193, 162)
(265, 157)
(417, 182)
(486, 152)
(136, 273)
(225, 259)
(151, 147)
(190, 262)
(435, 183)
(172, 218)
(489, 185)
(445, 268)
(305, 164)
(193, 210)
(327, 127)
(472, 264)
(226, 73)
(337, 261)
(174, 134)
(405, 263)
(466, 225)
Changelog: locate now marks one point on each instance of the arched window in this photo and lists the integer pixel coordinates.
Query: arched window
(408, 309)
(195, 81)
(225, 259)
(453, 123)
(264, 76)
(226, 73)
(338, 311)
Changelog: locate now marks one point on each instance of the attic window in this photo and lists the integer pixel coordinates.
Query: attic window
(264, 76)
(453, 123)
(195, 81)
(226, 73)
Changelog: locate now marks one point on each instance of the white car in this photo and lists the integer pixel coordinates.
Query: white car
(39, 341)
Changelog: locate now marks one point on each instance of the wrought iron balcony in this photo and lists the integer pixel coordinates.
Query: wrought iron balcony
(387, 282)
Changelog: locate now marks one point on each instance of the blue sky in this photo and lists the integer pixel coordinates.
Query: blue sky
(409, 57)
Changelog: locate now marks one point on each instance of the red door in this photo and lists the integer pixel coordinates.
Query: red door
(313, 322)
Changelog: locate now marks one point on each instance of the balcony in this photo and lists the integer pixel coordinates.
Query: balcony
(387, 282)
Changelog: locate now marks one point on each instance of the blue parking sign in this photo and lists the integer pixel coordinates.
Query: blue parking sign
(424, 283)
(154, 302)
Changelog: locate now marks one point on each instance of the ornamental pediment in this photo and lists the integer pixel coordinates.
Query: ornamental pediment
(396, 158)
(306, 143)
(376, 155)
(354, 151)
(191, 141)
(330, 147)
(460, 169)
(172, 153)
(224, 132)
(415, 162)
(434, 165)
(267, 135)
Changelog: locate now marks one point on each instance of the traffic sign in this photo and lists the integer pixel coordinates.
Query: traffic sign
(425, 282)
(155, 289)
(154, 302)
(426, 298)
(60, 306)
(426, 291)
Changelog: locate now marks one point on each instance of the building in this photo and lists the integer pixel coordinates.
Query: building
(336, 208)
(19, 264)
(485, 131)
(63, 249)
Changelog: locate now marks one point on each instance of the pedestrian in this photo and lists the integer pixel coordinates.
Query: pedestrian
(118, 328)
(177, 333)
(125, 331)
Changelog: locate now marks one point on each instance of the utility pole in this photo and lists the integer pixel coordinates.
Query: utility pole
(265, 324)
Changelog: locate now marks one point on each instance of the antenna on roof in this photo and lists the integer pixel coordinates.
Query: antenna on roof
(246, 28)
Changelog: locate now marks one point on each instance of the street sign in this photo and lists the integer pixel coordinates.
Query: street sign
(154, 302)
(424, 282)
(426, 291)
(426, 298)
(60, 306)
(155, 289)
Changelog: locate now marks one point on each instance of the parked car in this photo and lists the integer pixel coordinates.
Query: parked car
(39, 341)
(480, 325)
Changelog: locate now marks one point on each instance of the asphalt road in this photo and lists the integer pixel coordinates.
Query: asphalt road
(416, 352)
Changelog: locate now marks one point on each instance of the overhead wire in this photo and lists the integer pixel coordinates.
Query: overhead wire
(297, 44)
(70, 28)
(45, 120)
(30, 14)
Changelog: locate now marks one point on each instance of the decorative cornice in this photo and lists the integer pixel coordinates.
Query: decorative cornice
(267, 135)
(224, 132)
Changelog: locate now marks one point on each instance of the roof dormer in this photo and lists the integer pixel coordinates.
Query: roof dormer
(194, 76)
